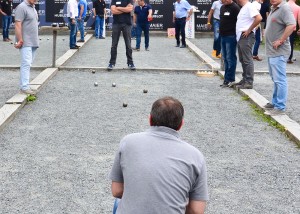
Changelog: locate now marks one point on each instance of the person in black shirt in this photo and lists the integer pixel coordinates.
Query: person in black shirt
(121, 10)
(6, 10)
(99, 10)
(228, 17)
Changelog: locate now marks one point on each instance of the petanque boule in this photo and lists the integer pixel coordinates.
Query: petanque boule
(93, 71)
(145, 91)
(125, 105)
(114, 84)
(96, 84)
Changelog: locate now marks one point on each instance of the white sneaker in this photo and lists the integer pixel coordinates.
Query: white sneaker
(28, 91)
(274, 112)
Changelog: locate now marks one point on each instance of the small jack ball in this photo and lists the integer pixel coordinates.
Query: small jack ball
(95, 84)
(93, 71)
(114, 84)
(125, 105)
(145, 91)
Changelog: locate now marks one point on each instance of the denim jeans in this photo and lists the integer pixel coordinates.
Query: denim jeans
(81, 27)
(180, 29)
(217, 39)
(277, 70)
(27, 57)
(116, 32)
(6, 21)
(116, 204)
(133, 32)
(139, 29)
(257, 42)
(99, 26)
(245, 45)
(229, 55)
(73, 32)
(292, 40)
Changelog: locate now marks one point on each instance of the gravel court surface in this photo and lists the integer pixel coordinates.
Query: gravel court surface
(162, 54)
(11, 56)
(9, 81)
(206, 45)
(57, 153)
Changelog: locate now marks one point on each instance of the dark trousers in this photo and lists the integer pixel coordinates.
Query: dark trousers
(180, 29)
(292, 40)
(139, 29)
(257, 42)
(116, 31)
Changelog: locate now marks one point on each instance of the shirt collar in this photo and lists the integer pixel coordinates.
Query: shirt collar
(164, 130)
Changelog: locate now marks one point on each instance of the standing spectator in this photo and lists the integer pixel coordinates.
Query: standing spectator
(121, 10)
(26, 30)
(257, 4)
(296, 11)
(142, 15)
(181, 9)
(82, 9)
(99, 10)
(215, 12)
(228, 17)
(72, 12)
(247, 20)
(6, 11)
(280, 25)
(133, 28)
(264, 12)
(170, 172)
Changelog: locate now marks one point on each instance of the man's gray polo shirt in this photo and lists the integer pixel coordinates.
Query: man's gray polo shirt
(278, 19)
(26, 13)
(160, 172)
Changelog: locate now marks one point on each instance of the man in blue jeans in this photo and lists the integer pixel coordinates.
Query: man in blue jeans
(99, 10)
(142, 16)
(182, 13)
(228, 17)
(6, 11)
(26, 30)
(82, 9)
(72, 12)
(280, 25)
(215, 14)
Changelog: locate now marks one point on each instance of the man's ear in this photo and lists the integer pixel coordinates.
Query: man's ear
(150, 120)
(181, 124)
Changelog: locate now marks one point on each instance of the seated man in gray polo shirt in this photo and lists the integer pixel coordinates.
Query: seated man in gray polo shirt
(157, 172)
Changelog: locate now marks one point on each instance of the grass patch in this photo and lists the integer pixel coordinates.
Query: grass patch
(245, 98)
(31, 98)
(260, 115)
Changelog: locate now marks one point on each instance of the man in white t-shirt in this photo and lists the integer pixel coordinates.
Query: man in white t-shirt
(247, 20)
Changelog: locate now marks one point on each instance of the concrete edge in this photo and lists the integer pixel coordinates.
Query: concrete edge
(64, 58)
(7, 113)
(16, 103)
(104, 69)
(292, 128)
(18, 67)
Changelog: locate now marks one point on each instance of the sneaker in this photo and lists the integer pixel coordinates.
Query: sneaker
(110, 67)
(257, 58)
(177, 46)
(290, 61)
(147, 49)
(131, 66)
(238, 83)
(101, 37)
(74, 47)
(183, 46)
(28, 91)
(269, 106)
(224, 84)
(80, 40)
(136, 49)
(274, 112)
(214, 53)
(245, 86)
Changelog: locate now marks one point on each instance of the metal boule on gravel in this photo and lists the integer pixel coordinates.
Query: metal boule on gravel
(125, 105)
(145, 91)
(114, 84)
(96, 84)
(93, 71)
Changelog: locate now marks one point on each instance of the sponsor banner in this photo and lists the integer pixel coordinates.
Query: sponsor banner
(55, 11)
